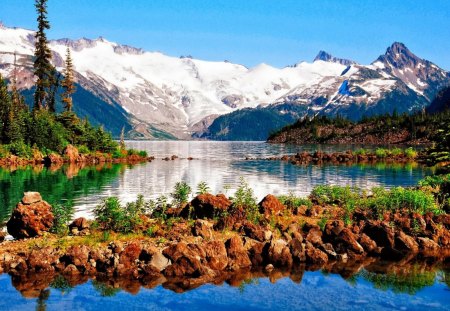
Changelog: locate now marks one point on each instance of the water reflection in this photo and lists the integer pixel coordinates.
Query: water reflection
(220, 164)
(367, 285)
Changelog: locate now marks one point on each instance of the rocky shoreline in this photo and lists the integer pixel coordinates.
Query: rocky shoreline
(348, 157)
(200, 248)
(71, 155)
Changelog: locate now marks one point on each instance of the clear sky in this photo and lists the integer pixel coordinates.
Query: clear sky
(249, 32)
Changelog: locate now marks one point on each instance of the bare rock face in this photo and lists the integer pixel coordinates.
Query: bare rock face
(31, 217)
(270, 205)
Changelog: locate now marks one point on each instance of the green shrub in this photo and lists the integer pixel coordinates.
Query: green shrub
(244, 198)
(83, 149)
(381, 153)
(398, 198)
(203, 188)
(329, 194)
(181, 193)
(291, 201)
(361, 151)
(143, 154)
(410, 153)
(21, 150)
(63, 215)
(396, 151)
(322, 222)
(111, 215)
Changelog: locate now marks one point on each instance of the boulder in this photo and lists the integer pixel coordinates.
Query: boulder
(77, 255)
(314, 236)
(31, 217)
(427, 244)
(297, 250)
(405, 243)
(279, 254)
(237, 255)
(128, 257)
(40, 260)
(346, 241)
(79, 226)
(216, 255)
(187, 260)
(333, 228)
(253, 231)
(315, 256)
(270, 205)
(71, 154)
(369, 245)
(206, 206)
(203, 228)
(380, 232)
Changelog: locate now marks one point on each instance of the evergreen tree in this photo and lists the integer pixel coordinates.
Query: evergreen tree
(5, 107)
(43, 69)
(68, 83)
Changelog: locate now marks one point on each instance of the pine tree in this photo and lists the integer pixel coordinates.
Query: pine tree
(5, 108)
(68, 83)
(43, 69)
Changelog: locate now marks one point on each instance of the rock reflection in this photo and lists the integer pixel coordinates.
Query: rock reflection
(406, 277)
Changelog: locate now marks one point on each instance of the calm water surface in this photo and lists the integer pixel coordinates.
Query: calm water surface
(220, 164)
(311, 291)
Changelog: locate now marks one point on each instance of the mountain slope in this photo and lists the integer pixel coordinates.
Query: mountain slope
(162, 96)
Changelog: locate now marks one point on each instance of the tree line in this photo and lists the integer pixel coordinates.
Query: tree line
(23, 130)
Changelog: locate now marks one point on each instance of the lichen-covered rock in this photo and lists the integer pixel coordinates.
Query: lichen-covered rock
(270, 205)
(31, 217)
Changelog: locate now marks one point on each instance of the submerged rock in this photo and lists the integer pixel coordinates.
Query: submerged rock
(31, 217)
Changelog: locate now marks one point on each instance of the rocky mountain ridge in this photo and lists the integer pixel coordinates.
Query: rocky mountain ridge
(158, 96)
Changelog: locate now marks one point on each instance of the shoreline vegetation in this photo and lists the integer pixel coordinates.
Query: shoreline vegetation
(48, 131)
(417, 129)
(362, 155)
(209, 238)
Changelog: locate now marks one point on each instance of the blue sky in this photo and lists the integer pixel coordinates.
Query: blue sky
(278, 32)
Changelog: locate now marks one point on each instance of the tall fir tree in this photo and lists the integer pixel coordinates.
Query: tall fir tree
(5, 108)
(43, 69)
(68, 83)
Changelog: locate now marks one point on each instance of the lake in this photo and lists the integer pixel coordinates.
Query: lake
(220, 164)
(419, 288)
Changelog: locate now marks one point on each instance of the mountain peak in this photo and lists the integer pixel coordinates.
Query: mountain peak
(327, 57)
(399, 56)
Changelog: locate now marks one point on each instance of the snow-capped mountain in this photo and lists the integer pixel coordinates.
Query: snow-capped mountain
(157, 93)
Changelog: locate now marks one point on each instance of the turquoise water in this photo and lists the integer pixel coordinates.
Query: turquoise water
(310, 291)
(220, 164)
